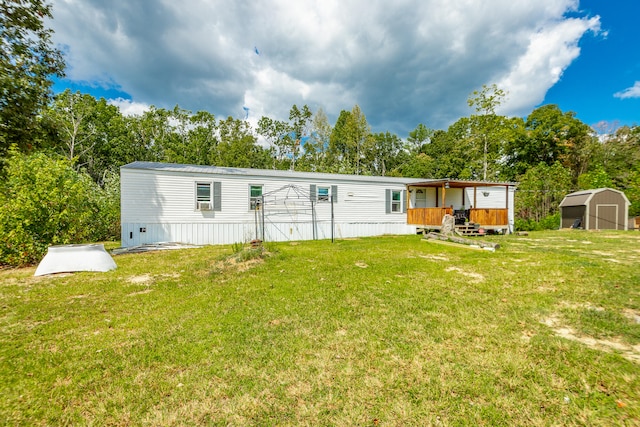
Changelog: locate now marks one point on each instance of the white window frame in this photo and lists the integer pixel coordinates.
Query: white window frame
(396, 205)
(253, 200)
(324, 193)
(201, 200)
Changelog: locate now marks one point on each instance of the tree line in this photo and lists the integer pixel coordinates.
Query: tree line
(78, 143)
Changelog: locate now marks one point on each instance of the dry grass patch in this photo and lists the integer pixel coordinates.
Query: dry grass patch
(629, 352)
(474, 277)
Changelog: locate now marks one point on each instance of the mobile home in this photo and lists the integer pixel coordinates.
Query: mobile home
(220, 205)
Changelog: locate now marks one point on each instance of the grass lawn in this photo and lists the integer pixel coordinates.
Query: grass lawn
(379, 331)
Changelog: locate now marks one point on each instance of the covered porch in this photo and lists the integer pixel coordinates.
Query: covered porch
(486, 204)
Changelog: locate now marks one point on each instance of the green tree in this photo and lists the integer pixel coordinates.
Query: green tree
(316, 149)
(341, 157)
(596, 178)
(146, 136)
(299, 122)
(487, 126)
(238, 146)
(416, 166)
(552, 136)
(276, 132)
(385, 153)
(190, 138)
(418, 137)
(86, 129)
(286, 137)
(540, 191)
(349, 141)
(28, 62)
(452, 151)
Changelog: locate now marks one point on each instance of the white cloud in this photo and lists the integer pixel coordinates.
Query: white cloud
(548, 54)
(631, 92)
(128, 107)
(403, 62)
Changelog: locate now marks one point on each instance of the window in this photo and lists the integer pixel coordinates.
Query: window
(394, 200)
(421, 198)
(323, 194)
(255, 196)
(203, 196)
(208, 196)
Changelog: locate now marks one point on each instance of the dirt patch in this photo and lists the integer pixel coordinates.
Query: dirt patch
(602, 253)
(146, 291)
(633, 315)
(435, 257)
(474, 277)
(629, 352)
(143, 279)
(234, 264)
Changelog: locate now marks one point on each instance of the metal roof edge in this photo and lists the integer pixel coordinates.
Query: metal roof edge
(223, 170)
(468, 181)
(592, 192)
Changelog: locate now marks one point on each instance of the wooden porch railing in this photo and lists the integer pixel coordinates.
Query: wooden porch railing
(427, 216)
(433, 216)
(489, 216)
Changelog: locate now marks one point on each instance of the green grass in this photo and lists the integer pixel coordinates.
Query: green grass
(378, 331)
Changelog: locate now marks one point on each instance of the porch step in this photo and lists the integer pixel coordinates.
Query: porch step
(469, 230)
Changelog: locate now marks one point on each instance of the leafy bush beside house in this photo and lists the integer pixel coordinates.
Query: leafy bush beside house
(44, 201)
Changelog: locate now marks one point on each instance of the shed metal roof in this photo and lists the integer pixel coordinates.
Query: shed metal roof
(582, 197)
(578, 199)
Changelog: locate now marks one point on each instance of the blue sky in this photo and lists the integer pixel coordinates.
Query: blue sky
(607, 65)
(402, 63)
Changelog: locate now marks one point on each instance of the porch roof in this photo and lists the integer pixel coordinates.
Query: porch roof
(457, 183)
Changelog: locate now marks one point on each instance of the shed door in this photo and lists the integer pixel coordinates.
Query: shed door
(606, 217)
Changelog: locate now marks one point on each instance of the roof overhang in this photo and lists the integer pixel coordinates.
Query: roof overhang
(456, 183)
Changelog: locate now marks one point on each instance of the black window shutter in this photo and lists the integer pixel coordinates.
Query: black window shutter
(312, 192)
(334, 193)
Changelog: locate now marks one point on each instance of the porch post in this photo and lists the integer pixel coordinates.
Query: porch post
(507, 199)
(475, 194)
(444, 195)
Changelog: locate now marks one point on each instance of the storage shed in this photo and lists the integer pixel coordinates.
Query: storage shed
(598, 209)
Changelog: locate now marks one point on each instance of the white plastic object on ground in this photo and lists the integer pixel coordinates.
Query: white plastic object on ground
(70, 258)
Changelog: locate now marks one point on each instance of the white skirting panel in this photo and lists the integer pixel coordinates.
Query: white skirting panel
(214, 234)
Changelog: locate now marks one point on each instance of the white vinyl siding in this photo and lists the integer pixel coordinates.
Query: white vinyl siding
(169, 214)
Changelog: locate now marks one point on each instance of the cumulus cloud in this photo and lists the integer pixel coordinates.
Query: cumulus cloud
(404, 62)
(128, 107)
(631, 92)
(541, 66)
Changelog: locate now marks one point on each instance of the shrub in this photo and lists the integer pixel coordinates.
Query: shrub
(550, 222)
(44, 201)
